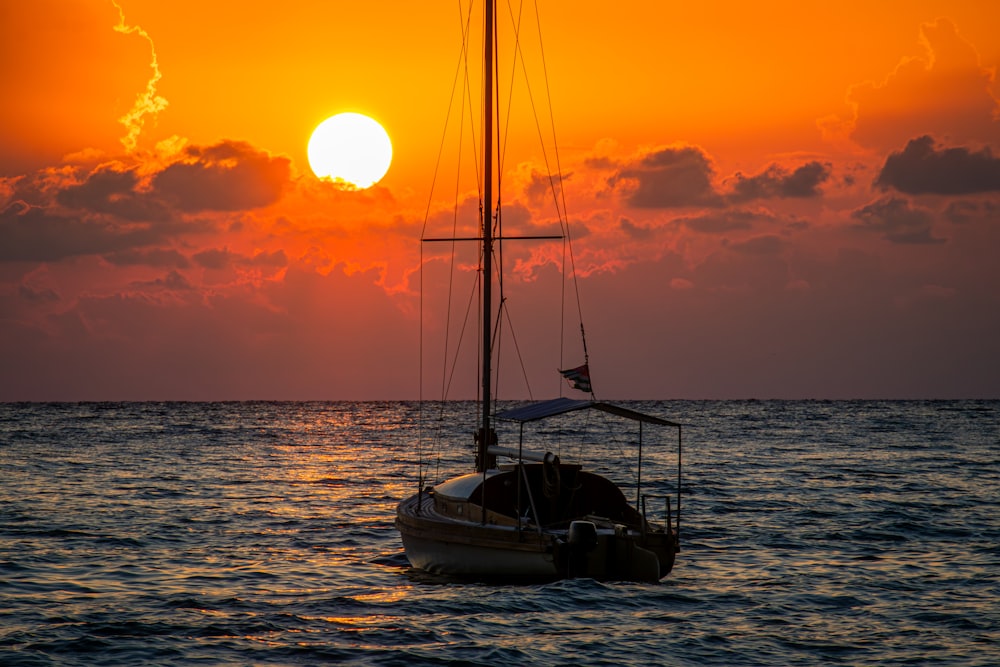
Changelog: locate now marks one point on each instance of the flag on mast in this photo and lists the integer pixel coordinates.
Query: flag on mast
(579, 377)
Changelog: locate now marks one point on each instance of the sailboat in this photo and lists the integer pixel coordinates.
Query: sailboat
(535, 516)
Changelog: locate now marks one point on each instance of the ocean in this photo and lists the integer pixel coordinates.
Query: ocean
(258, 533)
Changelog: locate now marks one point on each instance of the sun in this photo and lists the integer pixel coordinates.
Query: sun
(350, 149)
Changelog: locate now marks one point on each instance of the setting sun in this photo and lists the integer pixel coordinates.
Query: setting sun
(350, 149)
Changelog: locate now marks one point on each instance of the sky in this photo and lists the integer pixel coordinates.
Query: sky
(766, 200)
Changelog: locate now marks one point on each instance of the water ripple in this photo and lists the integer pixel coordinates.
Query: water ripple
(262, 533)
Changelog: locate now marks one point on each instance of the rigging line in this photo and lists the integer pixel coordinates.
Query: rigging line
(498, 241)
(459, 68)
(480, 176)
(446, 378)
(421, 435)
(517, 348)
(500, 140)
(495, 346)
(552, 126)
(463, 59)
(468, 97)
(479, 320)
(451, 272)
(613, 435)
(488, 217)
(420, 375)
(516, 24)
(558, 193)
(562, 190)
(461, 335)
(560, 213)
(562, 317)
(498, 269)
(498, 264)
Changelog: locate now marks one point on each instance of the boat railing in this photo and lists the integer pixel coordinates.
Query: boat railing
(667, 512)
(531, 501)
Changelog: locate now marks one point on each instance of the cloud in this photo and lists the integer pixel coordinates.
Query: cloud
(33, 295)
(224, 258)
(634, 231)
(173, 281)
(33, 234)
(228, 176)
(146, 102)
(152, 257)
(599, 162)
(540, 185)
(760, 245)
(112, 189)
(720, 223)
(897, 221)
(672, 177)
(214, 258)
(778, 182)
(921, 168)
(945, 92)
(964, 211)
(273, 260)
(117, 208)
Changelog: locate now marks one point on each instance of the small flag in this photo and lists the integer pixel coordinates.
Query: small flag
(579, 377)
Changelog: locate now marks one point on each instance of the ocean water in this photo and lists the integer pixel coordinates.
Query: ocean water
(855, 533)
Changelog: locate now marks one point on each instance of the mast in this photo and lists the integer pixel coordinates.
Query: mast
(483, 459)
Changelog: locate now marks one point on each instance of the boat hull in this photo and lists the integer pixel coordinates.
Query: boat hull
(467, 548)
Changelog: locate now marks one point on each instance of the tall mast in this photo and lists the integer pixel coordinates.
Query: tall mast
(485, 433)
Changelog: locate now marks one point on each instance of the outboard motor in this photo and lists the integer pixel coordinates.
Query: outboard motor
(581, 538)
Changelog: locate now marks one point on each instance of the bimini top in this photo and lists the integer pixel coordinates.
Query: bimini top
(558, 406)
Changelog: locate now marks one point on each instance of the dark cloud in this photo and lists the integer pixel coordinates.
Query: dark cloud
(760, 245)
(174, 281)
(516, 216)
(271, 260)
(114, 212)
(214, 258)
(668, 178)
(32, 295)
(600, 162)
(540, 185)
(897, 221)
(154, 257)
(798, 226)
(961, 212)
(778, 182)
(924, 169)
(33, 234)
(229, 176)
(634, 231)
(112, 190)
(579, 229)
(223, 258)
(725, 221)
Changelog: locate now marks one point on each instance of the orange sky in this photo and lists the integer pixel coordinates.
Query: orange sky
(768, 199)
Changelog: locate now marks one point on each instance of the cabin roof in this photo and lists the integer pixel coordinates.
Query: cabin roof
(462, 488)
(558, 406)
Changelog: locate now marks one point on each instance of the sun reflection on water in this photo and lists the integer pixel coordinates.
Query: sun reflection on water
(263, 533)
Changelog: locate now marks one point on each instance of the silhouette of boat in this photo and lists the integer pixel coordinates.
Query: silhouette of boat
(536, 517)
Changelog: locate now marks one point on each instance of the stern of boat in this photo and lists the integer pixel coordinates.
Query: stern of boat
(615, 553)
